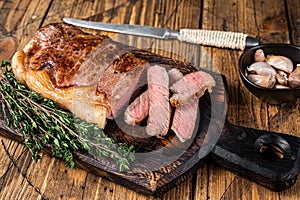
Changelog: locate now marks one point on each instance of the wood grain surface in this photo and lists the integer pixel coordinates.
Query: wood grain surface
(273, 21)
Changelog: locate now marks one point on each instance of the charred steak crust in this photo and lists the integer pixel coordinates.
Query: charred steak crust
(61, 49)
(183, 66)
(121, 65)
(120, 80)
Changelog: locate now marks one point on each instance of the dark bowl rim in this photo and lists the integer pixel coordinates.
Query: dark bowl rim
(241, 69)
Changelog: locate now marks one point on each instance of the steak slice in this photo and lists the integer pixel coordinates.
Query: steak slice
(120, 80)
(138, 110)
(159, 106)
(187, 91)
(195, 83)
(185, 118)
(174, 76)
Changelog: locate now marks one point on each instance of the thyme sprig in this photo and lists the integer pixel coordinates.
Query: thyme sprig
(42, 124)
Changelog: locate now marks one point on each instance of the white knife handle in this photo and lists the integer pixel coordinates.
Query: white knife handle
(221, 39)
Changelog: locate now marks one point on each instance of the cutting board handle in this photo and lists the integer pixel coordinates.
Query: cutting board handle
(268, 158)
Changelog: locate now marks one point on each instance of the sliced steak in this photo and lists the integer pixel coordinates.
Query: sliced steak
(120, 80)
(187, 91)
(185, 118)
(159, 106)
(98, 61)
(138, 110)
(195, 83)
(174, 76)
(95, 77)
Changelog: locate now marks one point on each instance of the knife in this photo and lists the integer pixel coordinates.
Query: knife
(223, 39)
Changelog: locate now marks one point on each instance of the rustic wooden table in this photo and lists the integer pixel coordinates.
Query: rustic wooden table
(272, 21)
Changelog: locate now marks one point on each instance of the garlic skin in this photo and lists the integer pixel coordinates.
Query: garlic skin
(282, 73)
(280, 62)
(294, 77)
(282, 80)
(267, 81)
(261, 68)
(259, 56)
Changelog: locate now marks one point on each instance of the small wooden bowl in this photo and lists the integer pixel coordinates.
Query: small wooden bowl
(270, 95)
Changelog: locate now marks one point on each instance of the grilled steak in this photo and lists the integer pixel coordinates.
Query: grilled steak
(195, 83)
(120, 80)
(62, 50)
(95, 78)
(159, 106)
(185, 118)
(61, 60)
(188, 90)
(138, 110)
(174, 76)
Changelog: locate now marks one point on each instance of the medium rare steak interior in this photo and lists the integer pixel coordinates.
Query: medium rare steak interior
(97, 79)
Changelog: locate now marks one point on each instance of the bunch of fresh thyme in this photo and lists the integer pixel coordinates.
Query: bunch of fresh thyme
(42, 124)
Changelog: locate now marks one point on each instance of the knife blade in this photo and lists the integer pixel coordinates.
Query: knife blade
(222, 39)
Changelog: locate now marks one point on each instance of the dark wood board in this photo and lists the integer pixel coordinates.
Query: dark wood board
(146, 174)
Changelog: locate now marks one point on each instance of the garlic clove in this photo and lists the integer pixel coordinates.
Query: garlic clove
(267, 81)
(283, 73)
(280, 62)
(281, 79)
(294, 77)
(259, 56)
(261, 68)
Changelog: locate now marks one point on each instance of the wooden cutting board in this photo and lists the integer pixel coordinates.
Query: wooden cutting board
(146, 175)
